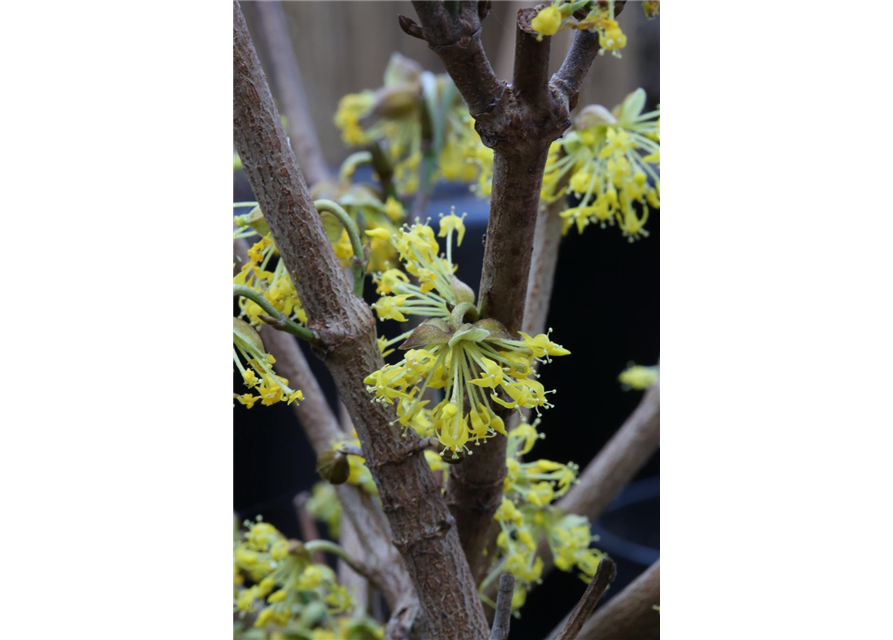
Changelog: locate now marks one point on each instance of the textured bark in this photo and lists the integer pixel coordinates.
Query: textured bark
(419, 518)
(456, 38)
(629, 615)
(289, 89)
(502, 617)
(360, 512)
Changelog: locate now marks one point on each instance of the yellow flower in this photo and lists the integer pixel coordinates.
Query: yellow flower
(277, 596)
(451, 223)
(380, 233)
(491, 376)
(258, 373)
(547, 22)
(580, 182)
(393, 209)
(388, 308)
(639, 377)
(611, 37)
(351, 108)
(542, 346)
(389, 280)
(343, 248)
(310, 579)
(519, 597)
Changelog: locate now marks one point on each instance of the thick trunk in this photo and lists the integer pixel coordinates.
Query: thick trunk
(419, 518)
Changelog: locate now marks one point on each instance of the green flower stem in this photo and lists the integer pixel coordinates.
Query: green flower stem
(336, 550)
(457, 317)
(282, 323)
(359, 266)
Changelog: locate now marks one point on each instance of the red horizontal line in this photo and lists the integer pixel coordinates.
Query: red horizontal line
(786, 458)
(776, 473)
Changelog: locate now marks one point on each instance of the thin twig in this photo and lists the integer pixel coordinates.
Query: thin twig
(336, 550)
(434, 108)
(356, 585)
(456, 39)
(603, 577)
(503, 617)
(275, 319)
(543, 262)
(619, 461)
(286, 75)
(306, 524)
(630, 614)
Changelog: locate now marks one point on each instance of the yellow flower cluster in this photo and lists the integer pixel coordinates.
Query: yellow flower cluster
(464, 158)
(275, 285)
(285, 581)
(526, 514)
(391, 117)
(599, 17)
(473, 362)
(257, 372)
(612, 160)
(277, 288)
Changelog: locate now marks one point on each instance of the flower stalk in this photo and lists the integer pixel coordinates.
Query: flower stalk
(276, 319)
(359, 261)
